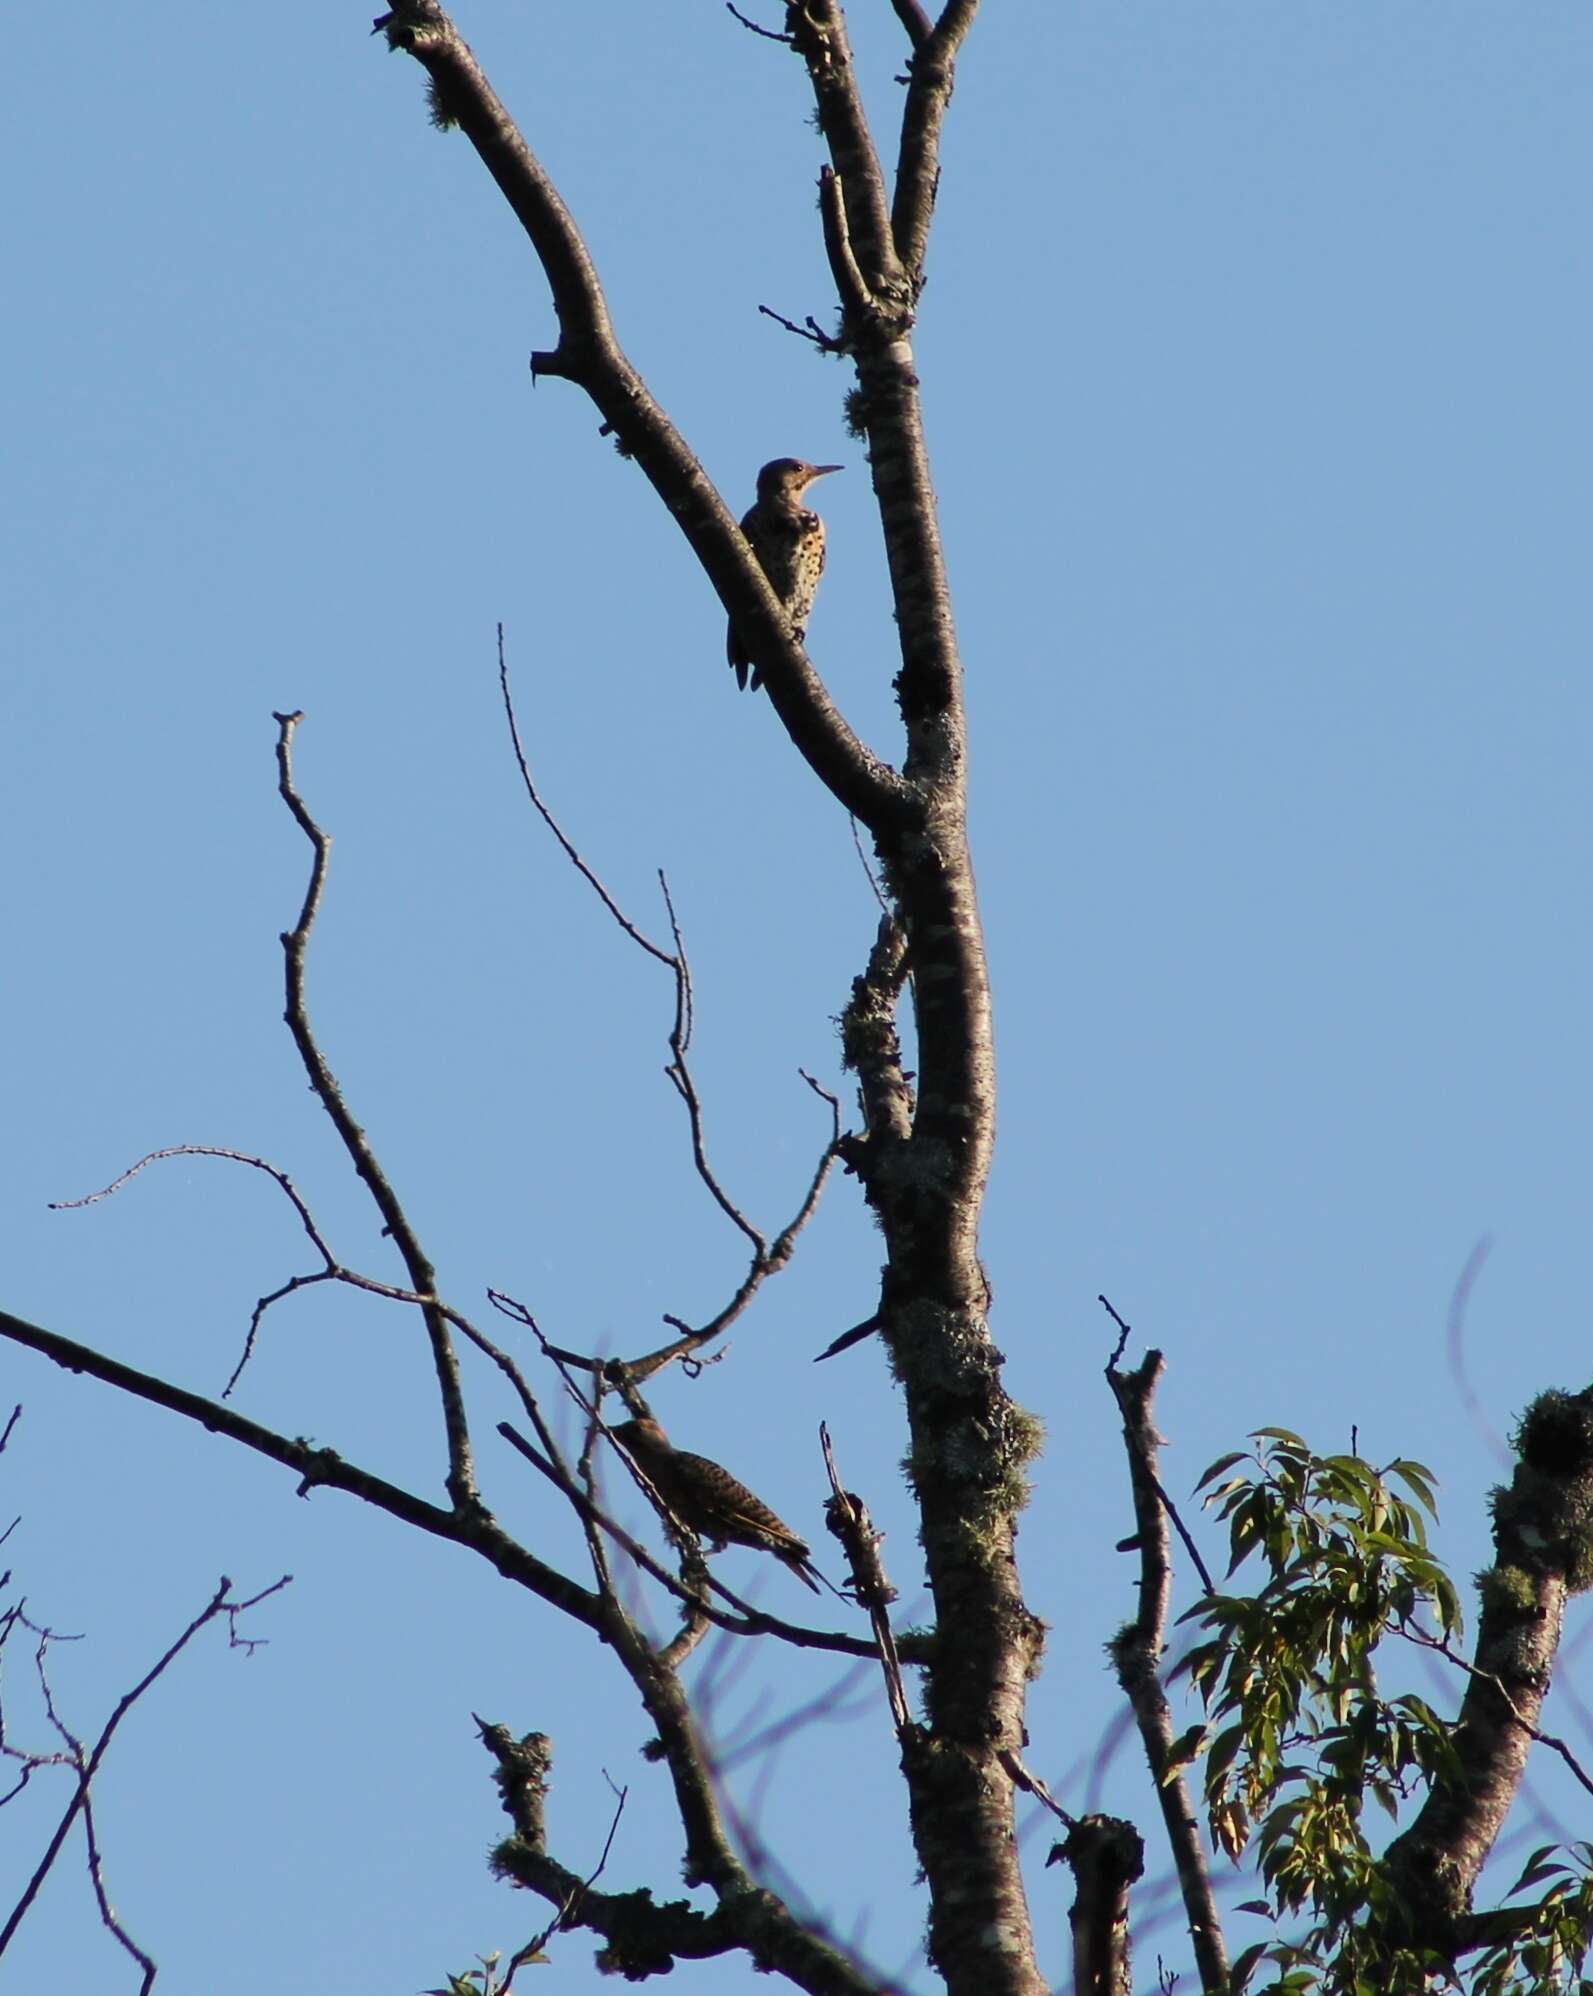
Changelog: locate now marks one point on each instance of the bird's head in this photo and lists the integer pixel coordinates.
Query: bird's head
(789, 477)
(640, 1436)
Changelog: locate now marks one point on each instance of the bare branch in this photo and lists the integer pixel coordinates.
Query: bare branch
(918, 165)
(811, 331)
(785, 1241)
(637, 935)
(329, 1271)
(765, 1260)
(108, 1916)
(768, 34)
(1556, 1745)
(868, 872)
(1540, 1538)
(87, 1765)
(568, 1913)
(913, 18)
(818, 31)
(1136, 1653)
(871, 1048)
(1125, 1332)
(847, 1518)
(589, 354)
(768, 1262)
(1106, 1854)
(1031, 1784)
(422, 1276)
(849, 280)
(625, 1919)
(679, 1073)
(474, 1529)
(747, 1621)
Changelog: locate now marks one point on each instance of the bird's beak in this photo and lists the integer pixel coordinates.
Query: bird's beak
(823, 470)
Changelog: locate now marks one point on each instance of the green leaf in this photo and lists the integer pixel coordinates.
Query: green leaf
(1220, 1468)
(1419, 1480)
(1539, 1868)
(1222, 1751)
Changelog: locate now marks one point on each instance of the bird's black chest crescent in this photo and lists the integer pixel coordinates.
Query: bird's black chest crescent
(791, 544)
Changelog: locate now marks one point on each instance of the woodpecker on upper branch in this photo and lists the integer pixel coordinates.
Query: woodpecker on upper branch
(788, 540)
(709, 1501)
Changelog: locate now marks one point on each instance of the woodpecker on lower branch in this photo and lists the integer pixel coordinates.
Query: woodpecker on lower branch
(788, 540)
(709, 1501)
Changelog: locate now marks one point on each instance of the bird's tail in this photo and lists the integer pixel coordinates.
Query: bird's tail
(736, 652)
(804, 1570)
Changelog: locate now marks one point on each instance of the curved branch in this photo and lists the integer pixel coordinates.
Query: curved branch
(1543, 1551)
(589, 354)
(765, 1259)
(422, 1276)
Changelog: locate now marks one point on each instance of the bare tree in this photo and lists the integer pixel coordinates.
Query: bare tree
(920, 1156)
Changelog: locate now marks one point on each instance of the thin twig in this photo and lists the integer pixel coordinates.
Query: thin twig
(1556, 1745)
(810, 330)
(768, 34)
(868, 871)
(565, 1916)
(1031, 1784)
(676, 962)
(680, 1074)
(328, 1272)
(88, 1765)
(638, 936)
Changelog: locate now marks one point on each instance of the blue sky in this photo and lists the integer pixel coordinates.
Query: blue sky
(1254, 359)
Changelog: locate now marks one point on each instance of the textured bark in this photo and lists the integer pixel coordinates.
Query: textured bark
(1543, 1542)
(1106, 1855)
(924, 1155)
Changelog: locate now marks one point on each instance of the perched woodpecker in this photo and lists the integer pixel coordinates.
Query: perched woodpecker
(709, 1501)
(788, 540)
